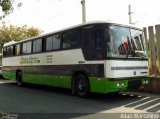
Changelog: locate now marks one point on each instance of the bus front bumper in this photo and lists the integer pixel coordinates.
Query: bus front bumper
(126, 84)
(107, 85)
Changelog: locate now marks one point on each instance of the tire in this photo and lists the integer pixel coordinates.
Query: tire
(82, 86)
(19, 79)
(114, 93)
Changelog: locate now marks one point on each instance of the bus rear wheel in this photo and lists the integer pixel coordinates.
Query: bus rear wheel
(82, 86)
(19, 79)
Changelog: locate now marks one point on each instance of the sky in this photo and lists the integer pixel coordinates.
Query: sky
(52, 15)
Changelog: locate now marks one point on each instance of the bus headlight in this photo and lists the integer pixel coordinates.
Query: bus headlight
(120, 84)
(145, 81)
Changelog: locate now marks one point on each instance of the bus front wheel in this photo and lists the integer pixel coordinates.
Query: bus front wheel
(19, 79)
(82, 86)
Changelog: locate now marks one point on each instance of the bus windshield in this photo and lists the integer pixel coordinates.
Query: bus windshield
(125, 43)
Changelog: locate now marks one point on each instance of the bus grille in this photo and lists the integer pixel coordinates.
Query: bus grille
(134, 84)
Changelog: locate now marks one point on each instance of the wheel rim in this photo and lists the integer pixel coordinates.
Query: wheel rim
(81, 87)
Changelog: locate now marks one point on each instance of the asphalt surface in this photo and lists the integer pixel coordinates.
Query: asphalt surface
(42, 101)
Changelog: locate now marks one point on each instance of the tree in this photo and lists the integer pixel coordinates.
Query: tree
(7, 7)
(16, 33)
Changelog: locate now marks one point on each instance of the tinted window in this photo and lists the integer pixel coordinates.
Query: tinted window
(86, 42)
(93, 42)
(10, 51)
(4, 52)
(97, 44)
(26, 47)
(17, 49)
(37, 45)
(53, 42)
(72, 39)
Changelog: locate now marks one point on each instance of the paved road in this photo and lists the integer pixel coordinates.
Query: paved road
(42, 99)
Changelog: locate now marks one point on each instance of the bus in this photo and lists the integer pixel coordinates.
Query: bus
(99, 57)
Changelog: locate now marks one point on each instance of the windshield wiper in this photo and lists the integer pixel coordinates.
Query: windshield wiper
(127, 55)
(131, 50)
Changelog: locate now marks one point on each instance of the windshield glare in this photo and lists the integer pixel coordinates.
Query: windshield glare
(125, 43)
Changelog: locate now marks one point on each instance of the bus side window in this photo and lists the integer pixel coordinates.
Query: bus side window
(86, 42)
(71, 38)
(4, 52)
(49, 43)
(56, 41)
(37, 45)
(17, 50)
(97, 44)
(67, 39)
(26, 47)
(53, 42)
(9, 51)
(93, 42)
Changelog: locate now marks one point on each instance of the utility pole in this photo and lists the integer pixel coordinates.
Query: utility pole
(130, 14)
(83, 11)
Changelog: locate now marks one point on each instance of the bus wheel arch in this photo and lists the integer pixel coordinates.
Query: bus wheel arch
(80, 84)
(19, 78)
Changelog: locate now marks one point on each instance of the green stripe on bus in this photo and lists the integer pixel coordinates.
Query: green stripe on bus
(9, 75)
(98, 85)
(51, 80)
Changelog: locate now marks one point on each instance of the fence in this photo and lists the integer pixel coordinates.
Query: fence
(152, 43)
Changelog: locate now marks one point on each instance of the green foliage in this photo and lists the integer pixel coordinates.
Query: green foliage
(7, 7)
(16, 33)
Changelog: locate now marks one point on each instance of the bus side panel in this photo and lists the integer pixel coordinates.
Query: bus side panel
(9, 75)
(50, 80)
(97, 85)
(65, 81)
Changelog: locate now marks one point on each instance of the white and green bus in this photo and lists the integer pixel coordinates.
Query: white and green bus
(97, 57)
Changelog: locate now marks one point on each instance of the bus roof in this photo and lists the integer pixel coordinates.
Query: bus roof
(9, 43)
(82, 24)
